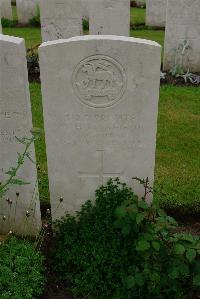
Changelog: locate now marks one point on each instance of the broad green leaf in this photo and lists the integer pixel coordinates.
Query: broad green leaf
(142, 246)
(161, 212)
(174, 273)
(130, 282)
(190, 254)
(187, 237)
(139, 279)
(156, 245)
(179, 249)
(142, 204)
(120, 212)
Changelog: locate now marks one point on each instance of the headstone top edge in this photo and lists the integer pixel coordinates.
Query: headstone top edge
(102, 38)
(11, 39)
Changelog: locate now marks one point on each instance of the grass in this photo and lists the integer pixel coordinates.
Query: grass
(138, 16)
(37, 112)
(178, 149)
(32, 36)
(155, 35)
(177, 162)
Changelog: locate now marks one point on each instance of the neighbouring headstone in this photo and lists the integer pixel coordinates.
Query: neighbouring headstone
(140, 3)
(182, 37)
(100, 97)
(156, 13)
(60, 19)
(6, 9)
(15, 121)
(110, 17)
(26, 10)
(0, 19)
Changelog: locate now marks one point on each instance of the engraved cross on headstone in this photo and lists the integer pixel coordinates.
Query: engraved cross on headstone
(100, 174)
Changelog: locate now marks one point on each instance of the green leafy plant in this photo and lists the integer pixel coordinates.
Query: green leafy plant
(119, 247)
(181, 57)
(13, 171)
(33, 62)
(35, 21)
(6, 23)
(85, 24)
(21, 270)
(190, 77)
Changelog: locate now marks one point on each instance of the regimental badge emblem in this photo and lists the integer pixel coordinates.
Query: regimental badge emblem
(99, 81)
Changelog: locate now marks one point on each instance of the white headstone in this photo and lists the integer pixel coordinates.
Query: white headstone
(100, 97)
(6, 9)
(85, 8)
(141, 2)
(110, 17)
(60, 19)
(182, 37)
(0, 19)
(15, 120)
(156, 13)
(26, 10)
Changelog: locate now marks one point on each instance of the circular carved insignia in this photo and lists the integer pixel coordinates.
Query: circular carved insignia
(99, 81)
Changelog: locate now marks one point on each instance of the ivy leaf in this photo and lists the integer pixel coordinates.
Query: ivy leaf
(139, 279)
(196, 281)
(120, 212)
(174, 273)
(156, 245)
(179, 249)
(190, 254)
(187, 237)
(130, 282)
(142, 246)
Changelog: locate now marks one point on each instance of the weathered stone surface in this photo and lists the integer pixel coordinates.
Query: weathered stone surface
(110, 17)
(0, 20)
(26, 10)
(85, 8)
(6, 9)
(60, 19)
(156, 13)
(100, 97)
(140, 2)
(15, 120)
(182, 31)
